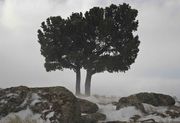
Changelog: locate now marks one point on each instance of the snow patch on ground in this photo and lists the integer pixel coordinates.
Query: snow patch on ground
(24, 115)
(12, 95)
(106, 107)
(51, 114)
(102, 100)
(151, 108)
(35, 98)
(123, 114)
(3, 101)
(177, 103)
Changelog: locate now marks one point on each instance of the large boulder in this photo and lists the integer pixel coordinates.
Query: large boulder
(87, 106)
(55, 104)
(154, 99)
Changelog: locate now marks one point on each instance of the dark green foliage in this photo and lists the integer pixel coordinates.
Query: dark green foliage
(114, 47)
(62, 42)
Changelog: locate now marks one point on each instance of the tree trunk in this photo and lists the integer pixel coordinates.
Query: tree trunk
(88, 83)
(78, 82)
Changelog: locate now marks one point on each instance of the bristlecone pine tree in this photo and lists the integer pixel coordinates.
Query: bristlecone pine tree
(101, 40)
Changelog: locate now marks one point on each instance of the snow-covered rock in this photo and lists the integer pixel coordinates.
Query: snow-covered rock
(48, 104)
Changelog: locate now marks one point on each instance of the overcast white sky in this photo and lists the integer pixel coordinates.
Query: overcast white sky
(157, 67)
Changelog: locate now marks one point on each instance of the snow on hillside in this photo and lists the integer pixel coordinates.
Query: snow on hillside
(106, 107)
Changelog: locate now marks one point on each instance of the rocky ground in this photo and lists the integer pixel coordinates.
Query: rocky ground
(130, 109)
(59, 105)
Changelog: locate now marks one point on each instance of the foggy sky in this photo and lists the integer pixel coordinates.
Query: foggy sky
(156, 69)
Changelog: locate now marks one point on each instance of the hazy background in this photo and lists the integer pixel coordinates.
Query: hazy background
(157, 67)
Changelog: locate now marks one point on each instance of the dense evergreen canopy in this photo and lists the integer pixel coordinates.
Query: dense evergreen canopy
(100, 40)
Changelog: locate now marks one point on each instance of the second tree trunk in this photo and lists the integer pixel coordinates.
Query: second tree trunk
(88, 83)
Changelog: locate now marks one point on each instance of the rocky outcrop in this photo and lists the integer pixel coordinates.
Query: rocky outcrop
(155, 99)
(55, 104)
(87, 106)
(149, 98)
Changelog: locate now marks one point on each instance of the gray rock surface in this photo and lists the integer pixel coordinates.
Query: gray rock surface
(155, 99)
(87, 120)
(58, 101)
(87, 106)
